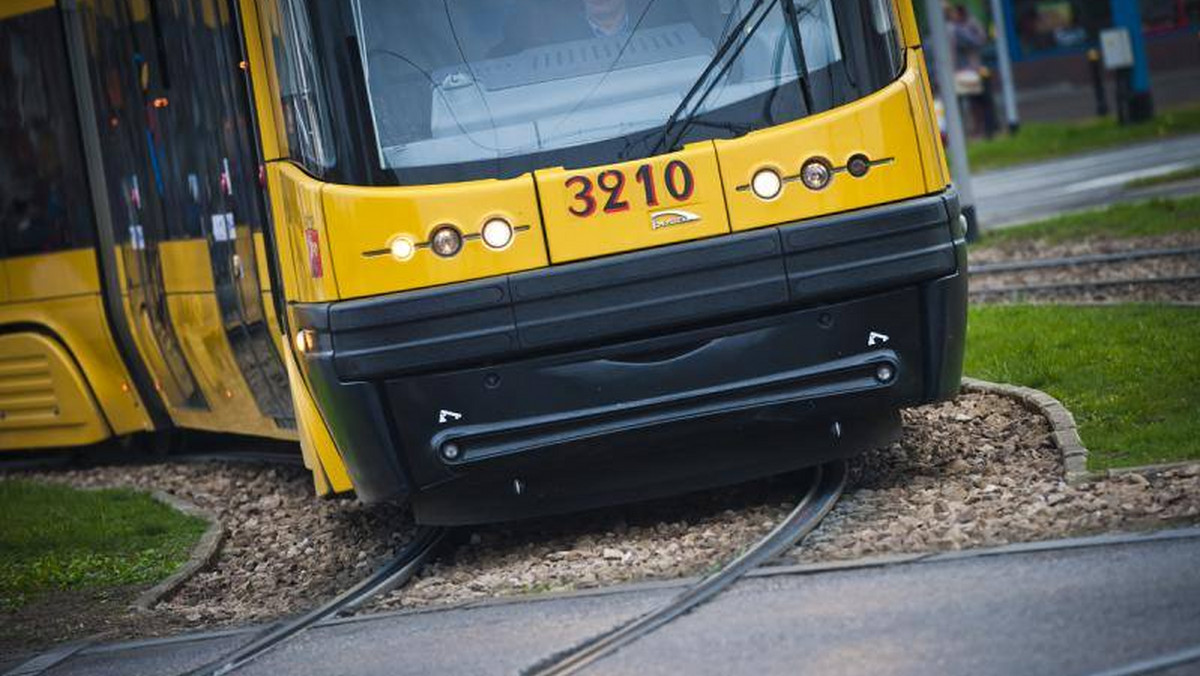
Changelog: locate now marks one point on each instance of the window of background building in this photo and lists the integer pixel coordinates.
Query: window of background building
(1050, 25)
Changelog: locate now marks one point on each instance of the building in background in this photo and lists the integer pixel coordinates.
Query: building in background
(1049, 41)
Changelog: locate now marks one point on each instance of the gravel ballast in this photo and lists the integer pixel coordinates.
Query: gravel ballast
(1159, 267)
(978, 471)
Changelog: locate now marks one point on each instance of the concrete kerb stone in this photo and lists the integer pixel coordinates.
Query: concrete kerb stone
(202, 556)
(1064, 432)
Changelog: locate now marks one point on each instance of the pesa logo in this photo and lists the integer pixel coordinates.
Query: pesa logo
(666, 219)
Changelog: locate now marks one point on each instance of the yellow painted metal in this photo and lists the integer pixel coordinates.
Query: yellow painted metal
(196, 316)
(639, 225)
(80, 324)
(362, 222)
(3, 281)
(300, 223)
(63, 273)
(320, 453)
(879, 126)
(185, 266)
(260, 257)
(202, 337)
(260, 78)
(246, 274)
(11, 8)
(60, 292)
(933, 154)
(909, 29)
(269, 31)
(44, 399)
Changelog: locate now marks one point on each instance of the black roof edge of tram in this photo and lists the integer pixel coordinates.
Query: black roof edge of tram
(404, 355)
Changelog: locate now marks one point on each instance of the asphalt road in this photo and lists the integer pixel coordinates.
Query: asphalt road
(1076, 610)
(1021, 194)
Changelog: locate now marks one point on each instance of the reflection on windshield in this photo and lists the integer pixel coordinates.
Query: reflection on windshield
(456, 81)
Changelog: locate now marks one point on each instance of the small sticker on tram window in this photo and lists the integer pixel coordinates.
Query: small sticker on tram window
(137, 237)
(313, 240)
(220, 228)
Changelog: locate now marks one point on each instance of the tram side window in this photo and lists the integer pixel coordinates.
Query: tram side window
(305, 112)
(44, 203)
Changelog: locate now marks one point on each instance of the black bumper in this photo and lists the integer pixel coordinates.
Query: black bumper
(645, 373)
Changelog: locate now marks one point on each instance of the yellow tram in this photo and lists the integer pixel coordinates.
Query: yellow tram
(498, 257)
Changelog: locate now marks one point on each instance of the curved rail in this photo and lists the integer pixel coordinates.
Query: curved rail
(826, 488)
(389, 576)
(1070, 261)
(1083, 286)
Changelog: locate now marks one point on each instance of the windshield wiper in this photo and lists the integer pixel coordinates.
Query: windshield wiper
(734, 42)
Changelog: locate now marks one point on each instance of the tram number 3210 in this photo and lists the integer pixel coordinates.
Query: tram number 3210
(677, 179)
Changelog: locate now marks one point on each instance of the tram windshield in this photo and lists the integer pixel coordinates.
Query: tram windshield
(514, 85)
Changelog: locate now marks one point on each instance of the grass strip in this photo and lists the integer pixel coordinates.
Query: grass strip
(1178, 176)
(55, 537)
(1129, 373)
(1042, 140)
(1138, 219)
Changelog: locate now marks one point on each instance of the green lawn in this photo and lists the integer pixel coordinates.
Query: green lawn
(56, 537)
(1142, 219)
(1129, 373)
(1041, 140)
(1166, 179)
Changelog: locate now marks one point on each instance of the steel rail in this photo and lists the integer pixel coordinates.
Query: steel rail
(1090, 259)
(389, 576)
(822, 495)
(1083, 286)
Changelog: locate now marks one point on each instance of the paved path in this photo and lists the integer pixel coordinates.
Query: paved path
(1031, 192)
(1061, 611)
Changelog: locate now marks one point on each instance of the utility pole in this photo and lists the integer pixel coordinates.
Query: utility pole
(1004, 60)
(938, 41)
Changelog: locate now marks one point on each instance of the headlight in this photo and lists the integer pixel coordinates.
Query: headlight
(446, 241)
(815, 174)
(402, 248)
(497, 233)
(766, 184)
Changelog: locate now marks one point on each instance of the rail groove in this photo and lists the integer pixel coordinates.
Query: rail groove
(829, 480)
(389, 576)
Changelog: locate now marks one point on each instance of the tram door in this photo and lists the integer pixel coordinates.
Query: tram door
(120, 47)
(218, 182)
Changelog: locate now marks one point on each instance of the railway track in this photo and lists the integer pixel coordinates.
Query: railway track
(825, 487)
(1055, 283)
(828, 482)
(387, 577)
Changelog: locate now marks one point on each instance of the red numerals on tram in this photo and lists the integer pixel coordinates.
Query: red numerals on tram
(677, 179)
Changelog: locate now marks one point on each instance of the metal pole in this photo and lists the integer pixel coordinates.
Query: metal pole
(1004, 60)
(943, 66)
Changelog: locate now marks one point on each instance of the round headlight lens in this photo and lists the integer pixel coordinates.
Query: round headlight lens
(446, 241)
(766, 184)
(402, 248)
(497, 233)
(815, 174)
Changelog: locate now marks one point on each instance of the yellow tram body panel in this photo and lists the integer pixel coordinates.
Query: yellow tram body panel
(44, 399)
(196, 316)
(60, 294)
(880, 127)
(334, 239)
(640, 204)
(365, 221)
